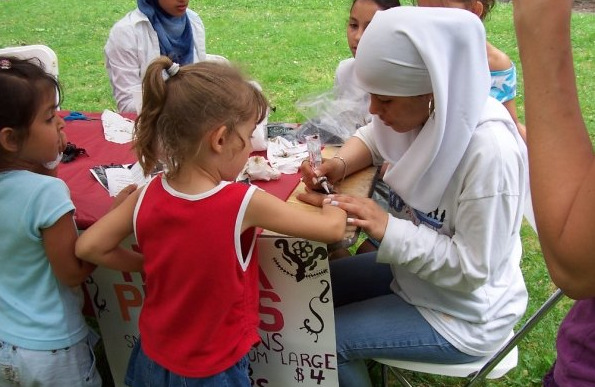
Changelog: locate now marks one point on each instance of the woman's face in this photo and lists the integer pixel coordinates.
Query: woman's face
(175, 8)
(360, 16)
(402, 114)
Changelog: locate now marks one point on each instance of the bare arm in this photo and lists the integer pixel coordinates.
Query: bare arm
(356, 154)
(326, 224)
(58, 242)
(561, 159)
(100, 243)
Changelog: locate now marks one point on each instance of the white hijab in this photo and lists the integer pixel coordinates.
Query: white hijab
(410, 51)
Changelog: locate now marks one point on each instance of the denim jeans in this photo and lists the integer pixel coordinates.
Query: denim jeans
(372, 321)
(144, 372)
(72, 366)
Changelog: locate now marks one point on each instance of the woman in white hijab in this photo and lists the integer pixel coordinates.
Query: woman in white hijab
(445, 285)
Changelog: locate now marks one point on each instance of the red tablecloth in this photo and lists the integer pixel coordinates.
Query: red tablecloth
(91, 200)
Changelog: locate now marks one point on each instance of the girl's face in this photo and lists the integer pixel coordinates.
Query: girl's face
(402, 114)
(44, 142)
(360, 16)
(175, 8)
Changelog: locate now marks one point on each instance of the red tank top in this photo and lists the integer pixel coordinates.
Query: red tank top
(200, 312)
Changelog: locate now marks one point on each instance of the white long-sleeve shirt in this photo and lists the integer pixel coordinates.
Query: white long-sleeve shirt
(132, 45)
(460, 264)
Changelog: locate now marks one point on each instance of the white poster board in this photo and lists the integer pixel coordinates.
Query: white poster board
(117, 298)
(297, 321)
(297, 325)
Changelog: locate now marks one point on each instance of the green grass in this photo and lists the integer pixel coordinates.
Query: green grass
(291, 48)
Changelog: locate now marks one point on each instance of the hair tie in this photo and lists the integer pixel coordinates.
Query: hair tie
(171, 71)
(5, 64)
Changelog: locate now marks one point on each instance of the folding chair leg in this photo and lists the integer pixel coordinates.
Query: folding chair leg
(529, 324)
(384, 373)
(400, 378)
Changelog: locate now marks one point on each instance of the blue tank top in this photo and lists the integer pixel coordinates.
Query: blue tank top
(503, 86)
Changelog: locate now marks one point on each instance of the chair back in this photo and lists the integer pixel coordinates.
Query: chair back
(46, 55)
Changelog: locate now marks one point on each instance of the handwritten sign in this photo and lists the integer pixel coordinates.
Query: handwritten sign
(297, 327)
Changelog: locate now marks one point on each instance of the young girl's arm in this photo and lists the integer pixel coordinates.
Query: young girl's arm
(58, 241)
(326, 224)
(100, 243)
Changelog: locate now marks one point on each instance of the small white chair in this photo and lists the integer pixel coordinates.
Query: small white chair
(46, 55)
(491, 367)
(456, 370)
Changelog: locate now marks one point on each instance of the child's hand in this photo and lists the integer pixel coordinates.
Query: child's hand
(122, 195)
(312, 197)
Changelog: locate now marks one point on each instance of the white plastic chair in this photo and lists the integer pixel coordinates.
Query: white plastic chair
(491, 367)
(46, 55)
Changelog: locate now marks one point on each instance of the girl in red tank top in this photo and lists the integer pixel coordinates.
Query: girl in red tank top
(196, 227)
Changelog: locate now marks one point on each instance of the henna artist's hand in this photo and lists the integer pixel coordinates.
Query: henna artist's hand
(364, 213)
(333, 169)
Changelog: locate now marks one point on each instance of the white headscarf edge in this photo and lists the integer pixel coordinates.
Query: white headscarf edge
(451, 44)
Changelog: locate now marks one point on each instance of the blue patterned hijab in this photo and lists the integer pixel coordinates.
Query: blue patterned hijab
(174, 33)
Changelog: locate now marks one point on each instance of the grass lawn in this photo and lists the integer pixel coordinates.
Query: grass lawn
(291, 48)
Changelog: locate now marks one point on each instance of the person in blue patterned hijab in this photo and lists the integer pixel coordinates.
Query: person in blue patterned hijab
(154, 28)
(170, 21)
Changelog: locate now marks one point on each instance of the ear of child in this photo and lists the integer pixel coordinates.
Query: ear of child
(218, 139)
(7, 140)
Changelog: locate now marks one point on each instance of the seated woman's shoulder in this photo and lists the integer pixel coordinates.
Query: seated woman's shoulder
(493, 141)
